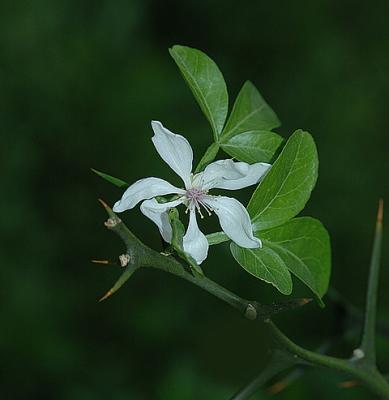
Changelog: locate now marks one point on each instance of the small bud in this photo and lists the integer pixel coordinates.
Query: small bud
(112, 222)
(250, 312)
(124, 259)
(358, 354)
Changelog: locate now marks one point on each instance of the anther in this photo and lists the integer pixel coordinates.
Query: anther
(199, 210)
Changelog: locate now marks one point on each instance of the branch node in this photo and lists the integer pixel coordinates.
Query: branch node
(124, 259)
(358, 354)
(112, 222)
(250, 312)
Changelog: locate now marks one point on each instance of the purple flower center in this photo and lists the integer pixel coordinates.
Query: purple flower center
(195, 194)
(196, 197)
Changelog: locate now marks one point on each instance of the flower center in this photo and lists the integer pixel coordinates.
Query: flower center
(195, 197)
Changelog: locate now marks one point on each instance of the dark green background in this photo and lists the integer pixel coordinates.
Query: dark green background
(79, 84)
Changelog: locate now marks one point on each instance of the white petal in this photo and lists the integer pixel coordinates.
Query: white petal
(234, 220)
(227, 174)
(157, 212)
(175, 150)
(144, 189)
(195, 242)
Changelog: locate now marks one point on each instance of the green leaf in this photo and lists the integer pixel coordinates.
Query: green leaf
(253, 146)
(301, 246)
(111, 179)
(304, 246)
(206, 83)
(208, 157)
(250, 112)
(264, 264)
(287, 186)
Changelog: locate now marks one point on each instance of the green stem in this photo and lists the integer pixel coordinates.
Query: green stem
(368, 337)
(142, 256)
(169, 264)
(208, 157)
(251, 309)
(255, 385)
(369, 376)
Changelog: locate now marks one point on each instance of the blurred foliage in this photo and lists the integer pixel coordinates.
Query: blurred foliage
(80, 82)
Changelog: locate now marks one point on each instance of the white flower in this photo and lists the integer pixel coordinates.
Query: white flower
(176, 151)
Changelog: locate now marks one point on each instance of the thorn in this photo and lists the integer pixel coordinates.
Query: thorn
(348, 384)
(108, 294)
(106, 262)
(380, 213)
(104, 204)
(276, 388)
(305, 301)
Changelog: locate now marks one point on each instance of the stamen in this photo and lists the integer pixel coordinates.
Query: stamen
(195, 197)
(207, 208)
(199, 210)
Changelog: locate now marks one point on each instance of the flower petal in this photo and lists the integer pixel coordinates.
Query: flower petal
(227, 174)
(234, 220)
(195, 243)
(174, 149)
(144, 189)
(157, 212)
